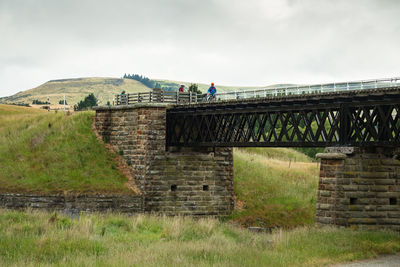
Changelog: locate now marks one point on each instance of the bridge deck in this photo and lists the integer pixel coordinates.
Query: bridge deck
(357, 118)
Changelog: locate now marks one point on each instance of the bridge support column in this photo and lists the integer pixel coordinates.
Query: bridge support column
(359, 187)
(180, 181)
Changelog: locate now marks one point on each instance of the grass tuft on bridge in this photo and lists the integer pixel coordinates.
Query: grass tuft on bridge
(47, 152)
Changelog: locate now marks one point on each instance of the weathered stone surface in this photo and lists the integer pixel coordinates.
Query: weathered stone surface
(361, 189)
(331, 156)
(342, 150)
(83, 203)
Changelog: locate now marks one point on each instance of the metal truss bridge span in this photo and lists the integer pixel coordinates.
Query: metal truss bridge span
(357, 118)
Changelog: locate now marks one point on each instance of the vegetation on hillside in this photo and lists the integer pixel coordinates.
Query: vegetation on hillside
(194, 88)
(282, 154)
(41, 239)
(87, 103)
(275, 187)
(143, 79)
(38, 102)
(44, 152)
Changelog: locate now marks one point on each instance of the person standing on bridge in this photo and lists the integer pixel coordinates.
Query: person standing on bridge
(182, 89)
(212, 91)
(123, 98)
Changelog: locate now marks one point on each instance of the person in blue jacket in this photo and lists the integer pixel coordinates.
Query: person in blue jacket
(212, 91)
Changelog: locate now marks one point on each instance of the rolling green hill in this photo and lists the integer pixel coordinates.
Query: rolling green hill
(76, 89)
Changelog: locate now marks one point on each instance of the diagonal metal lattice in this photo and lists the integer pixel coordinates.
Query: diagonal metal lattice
(356, 119)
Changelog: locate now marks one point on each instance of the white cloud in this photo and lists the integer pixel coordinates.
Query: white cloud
(255, 42)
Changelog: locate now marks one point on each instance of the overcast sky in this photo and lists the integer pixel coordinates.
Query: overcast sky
(229, 42)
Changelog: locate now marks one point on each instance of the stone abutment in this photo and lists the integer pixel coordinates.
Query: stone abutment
(177, 181)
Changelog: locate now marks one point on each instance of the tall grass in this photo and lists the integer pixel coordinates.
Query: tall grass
(284, 154)
(273, 192)
(37, 239)
(50, 153)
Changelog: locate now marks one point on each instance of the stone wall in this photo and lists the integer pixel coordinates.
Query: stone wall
(360, 187)
(186, 181)
(82, 203)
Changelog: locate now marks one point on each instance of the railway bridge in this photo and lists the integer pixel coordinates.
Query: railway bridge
(180, 148)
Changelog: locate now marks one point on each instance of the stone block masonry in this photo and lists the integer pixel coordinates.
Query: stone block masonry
(81, 203)
(360, 188)
(180, 181)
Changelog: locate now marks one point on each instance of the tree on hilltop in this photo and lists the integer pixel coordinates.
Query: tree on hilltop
(88, 102)
(194, 88)
(146, 81)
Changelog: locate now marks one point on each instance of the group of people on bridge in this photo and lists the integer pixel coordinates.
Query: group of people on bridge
(210, 96)
(211, 92)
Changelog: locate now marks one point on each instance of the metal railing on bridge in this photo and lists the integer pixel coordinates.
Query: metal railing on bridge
(160, 96)
(311, 89)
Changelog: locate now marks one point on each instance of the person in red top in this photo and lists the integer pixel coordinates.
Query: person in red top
(182, 89)
(212, 91)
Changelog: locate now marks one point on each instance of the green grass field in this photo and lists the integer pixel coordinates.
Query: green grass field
(42, 239)
(275, 187)
(46, 152)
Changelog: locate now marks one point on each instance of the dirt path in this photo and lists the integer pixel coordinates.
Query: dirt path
(386, 261)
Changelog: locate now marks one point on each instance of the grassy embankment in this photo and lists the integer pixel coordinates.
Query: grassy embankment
(275, 187)
(35, 239)
(50, 152)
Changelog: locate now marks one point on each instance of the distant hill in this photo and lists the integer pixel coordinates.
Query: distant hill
(103, 88)
(76, 89)
(204, 87)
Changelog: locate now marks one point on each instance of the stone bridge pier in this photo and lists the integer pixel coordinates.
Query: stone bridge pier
(359, 187)
(177, 181)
